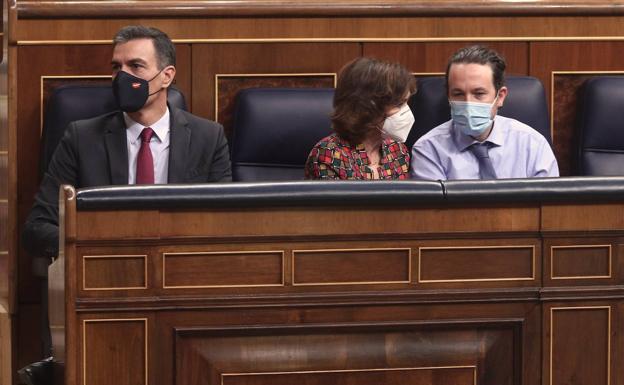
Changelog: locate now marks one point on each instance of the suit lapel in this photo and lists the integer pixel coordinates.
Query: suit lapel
(178, 146)
(117, 149)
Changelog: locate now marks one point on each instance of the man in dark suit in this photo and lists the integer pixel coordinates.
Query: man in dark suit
(112, 149)
(146, 141)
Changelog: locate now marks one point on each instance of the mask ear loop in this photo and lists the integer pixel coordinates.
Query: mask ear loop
(155, 92)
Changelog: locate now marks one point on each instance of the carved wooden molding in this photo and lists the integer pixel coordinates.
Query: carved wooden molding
(279, 8)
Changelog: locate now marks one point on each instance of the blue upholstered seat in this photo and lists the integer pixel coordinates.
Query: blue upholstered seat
(275, 129)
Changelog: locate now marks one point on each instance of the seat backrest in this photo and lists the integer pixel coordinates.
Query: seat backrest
(75, 102)
(526, 102)
(599, 120)
(275, 129)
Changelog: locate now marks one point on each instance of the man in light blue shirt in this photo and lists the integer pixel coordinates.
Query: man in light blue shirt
(476, 143)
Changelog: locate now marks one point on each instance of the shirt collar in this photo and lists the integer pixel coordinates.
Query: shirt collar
(161, 127)
(496, 137)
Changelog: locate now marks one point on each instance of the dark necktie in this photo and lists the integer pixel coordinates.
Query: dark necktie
(145, 162)
(486, 170)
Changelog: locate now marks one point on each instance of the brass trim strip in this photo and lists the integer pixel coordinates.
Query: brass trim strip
(4, 152)
(553, 277)
(552, 333)
(473, 367)
(4, 201)
(552, 92)
(84, 282)
(165, 255)
(345, 40)
(533, 266)
(46, 77)
(409, 266)
(267, 75)
(84, 342)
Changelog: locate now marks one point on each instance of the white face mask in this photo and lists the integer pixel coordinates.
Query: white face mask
(397, 126)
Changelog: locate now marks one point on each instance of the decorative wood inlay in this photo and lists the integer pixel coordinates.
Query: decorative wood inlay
(580, 261)
(114, 272)
(110, 347)
(577, 333)
(426, 375)
(351, 266)
(476, 263)
(223, 269)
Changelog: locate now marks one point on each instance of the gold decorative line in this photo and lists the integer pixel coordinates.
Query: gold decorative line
(473, 367)
(256, 75)
(552, 91)
(84, 342)
(552, 276)
(84, 282)
(43, 78)
(532, 278)
(552, 333)
(4, 252)
(409, 267)
(164, 267)
(4, 152)
(346, 40)
(4, 201)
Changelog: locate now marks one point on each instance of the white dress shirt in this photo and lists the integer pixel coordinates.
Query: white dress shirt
(159, 144)
(517, 151)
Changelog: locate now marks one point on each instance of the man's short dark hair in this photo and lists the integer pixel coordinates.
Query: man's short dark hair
(165, 51)
(478, 54)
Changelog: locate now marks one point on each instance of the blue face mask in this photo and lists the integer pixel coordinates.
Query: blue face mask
(472, 118)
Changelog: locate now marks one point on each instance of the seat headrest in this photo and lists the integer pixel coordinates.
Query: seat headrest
(526, 102)
(75, 102)
(599, 124)
(275, 129)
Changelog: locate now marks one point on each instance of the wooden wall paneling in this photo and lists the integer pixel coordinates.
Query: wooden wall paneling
(578, 343)
(344, 353)
(264, 27)
(595, 217)
(229, 340)
(547, 58)
(123, 336)
(345, 221)
(245, 8)
(582, 261)
(432, 57)
(269, 59)
(118, 271)
(6, 346)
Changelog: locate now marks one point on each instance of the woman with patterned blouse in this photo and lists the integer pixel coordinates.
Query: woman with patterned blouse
(371, 120)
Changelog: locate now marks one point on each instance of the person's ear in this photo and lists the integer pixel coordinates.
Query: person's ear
(502, 94)
(168, 74)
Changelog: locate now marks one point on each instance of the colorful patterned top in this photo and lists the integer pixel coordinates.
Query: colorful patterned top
(335, 158)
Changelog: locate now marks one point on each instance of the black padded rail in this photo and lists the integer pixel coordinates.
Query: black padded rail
(547, 190)
(232, 195)
(353, 193)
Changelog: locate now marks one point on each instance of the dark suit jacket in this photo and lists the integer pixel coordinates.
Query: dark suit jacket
(94, 152)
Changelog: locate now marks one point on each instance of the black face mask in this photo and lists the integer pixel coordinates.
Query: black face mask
(131, 92)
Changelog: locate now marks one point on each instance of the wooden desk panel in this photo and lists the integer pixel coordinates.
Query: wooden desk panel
(455, 301)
